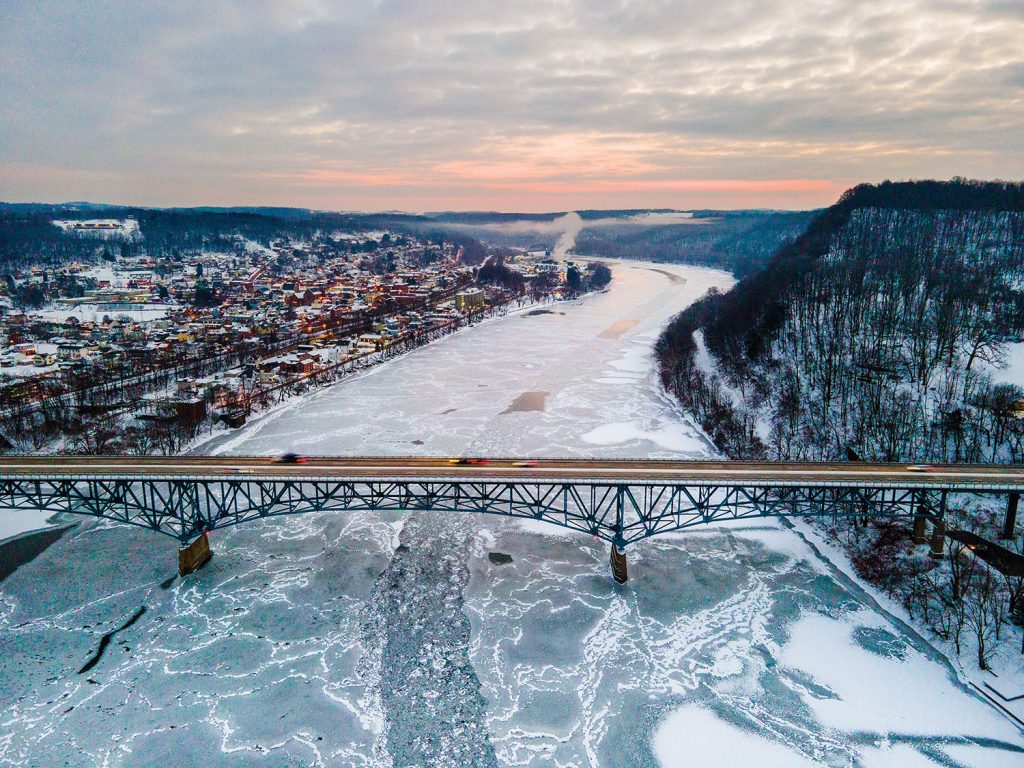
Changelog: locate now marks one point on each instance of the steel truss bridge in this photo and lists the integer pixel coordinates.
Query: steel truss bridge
(619, 501)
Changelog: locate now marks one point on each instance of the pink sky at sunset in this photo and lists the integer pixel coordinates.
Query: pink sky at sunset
(529, 106)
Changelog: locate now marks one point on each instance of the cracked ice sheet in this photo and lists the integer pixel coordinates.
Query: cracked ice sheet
(580, 671)
(251, 659)
(740, 632)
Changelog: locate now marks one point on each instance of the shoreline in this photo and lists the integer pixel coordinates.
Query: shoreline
(225, 435)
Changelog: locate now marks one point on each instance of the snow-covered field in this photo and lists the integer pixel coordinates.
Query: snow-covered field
(399, 639)
(104, 228)
(91, 313)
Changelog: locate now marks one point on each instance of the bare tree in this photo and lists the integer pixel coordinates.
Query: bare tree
(982, 612)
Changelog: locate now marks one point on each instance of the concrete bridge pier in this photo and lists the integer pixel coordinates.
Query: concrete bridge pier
(619, 571)
(938, 543)
(193, 556)
(920, 521)
(1011, 516)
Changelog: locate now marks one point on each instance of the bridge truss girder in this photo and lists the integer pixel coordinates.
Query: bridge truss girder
(620, 513)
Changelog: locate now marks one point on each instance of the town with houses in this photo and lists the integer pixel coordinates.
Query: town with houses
(138, 353)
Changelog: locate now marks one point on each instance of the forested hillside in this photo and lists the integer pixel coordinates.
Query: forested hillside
(875, 331)
(739, 241)
(28, 236)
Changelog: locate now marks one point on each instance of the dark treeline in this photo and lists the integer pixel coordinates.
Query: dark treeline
(497, 217)
(28, 237)
(871, 331)
(488, 217)
(739, 241)
(494, 272)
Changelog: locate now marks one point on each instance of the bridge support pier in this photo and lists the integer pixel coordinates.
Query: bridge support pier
(920, 521)
(619, 571)
(194, 556)
(1011, 515)
(938, 543)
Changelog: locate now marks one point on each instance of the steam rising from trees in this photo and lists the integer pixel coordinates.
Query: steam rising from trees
(573, 225)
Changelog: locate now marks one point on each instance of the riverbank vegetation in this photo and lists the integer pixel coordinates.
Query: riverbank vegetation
(878, 334)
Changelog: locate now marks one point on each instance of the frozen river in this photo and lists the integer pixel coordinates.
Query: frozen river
(431, 640)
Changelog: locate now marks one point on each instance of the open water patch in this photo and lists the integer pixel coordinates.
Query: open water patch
(105, 641)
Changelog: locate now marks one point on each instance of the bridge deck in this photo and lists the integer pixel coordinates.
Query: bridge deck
(864, 475)
(619, 501)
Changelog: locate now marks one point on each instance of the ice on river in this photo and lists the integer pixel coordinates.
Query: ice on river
(401, 639)
(454, 397)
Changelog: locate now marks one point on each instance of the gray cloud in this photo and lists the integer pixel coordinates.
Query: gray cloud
(526, 105)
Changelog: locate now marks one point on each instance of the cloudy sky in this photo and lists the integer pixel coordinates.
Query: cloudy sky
(526, 105)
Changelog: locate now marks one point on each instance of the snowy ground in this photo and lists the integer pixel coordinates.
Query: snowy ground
(92, 313)
(117, 227)
(392, 639)
(1013, 373)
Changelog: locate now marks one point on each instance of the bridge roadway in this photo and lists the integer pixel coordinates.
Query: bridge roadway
(980, 478)
(621, 501)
